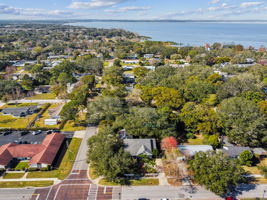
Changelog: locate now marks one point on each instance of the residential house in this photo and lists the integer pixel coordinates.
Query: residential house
(148, 56)
(150, 68)
(20, 111)
(138, 147)
(234, 151)
(191, 150)
(39, 155)
(130, 61)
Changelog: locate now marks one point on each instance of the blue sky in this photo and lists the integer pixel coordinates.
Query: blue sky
(134, 9)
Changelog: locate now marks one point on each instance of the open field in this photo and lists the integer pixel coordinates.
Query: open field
(15, 184)
(43, 96)
(65, 165)
(13, 175)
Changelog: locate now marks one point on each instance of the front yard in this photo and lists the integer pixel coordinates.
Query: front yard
(65, 165)
(13, 175)
(43, 96)
(21, 184)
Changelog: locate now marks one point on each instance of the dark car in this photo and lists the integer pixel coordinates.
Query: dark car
(22, 133)
(7, 133)
(49, 132)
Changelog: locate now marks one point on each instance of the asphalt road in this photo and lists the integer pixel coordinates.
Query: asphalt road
(16, 194)
(80, 161)
(158, 192)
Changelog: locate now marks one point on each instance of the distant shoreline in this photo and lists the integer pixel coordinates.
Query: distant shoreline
(126, 20)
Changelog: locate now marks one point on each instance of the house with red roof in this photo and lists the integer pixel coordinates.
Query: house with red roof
(39, 155)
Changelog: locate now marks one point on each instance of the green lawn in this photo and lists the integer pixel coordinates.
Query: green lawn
(20, 184)
(92, 173)
(13, 105)
(199, 140)
(141, 182)
(43, 96)
(145, 182)
(70, 126)
(65, 166)
(22, 166)
(13, 175)
(7, 121)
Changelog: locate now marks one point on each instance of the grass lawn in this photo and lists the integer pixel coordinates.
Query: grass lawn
(22, 166)
(43, 96)
(92, 173)
(254, 169)
(20, 184)
(199, 140)
(13, 105)
(129, 72)
(141, 182)
(65, 165)
(145, 182)
(7, 121)
(13, 175)
(69, 126)
(40, 123)
(261, 181)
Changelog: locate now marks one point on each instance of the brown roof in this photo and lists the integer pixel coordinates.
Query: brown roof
(52, 144)
(5, 156)
(39, 153)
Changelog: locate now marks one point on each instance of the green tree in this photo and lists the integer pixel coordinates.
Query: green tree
(148, 122)
(106, 155)
(104, 108)
(246, 158)
(140, 72)
(113, 76)
(200, 118)
(243, 122)
(69, 111)
(216, 172)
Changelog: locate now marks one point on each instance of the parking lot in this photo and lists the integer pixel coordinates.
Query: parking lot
(29, 138)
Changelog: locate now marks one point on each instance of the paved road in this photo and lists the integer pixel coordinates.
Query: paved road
(16, 194)
(158, 192)
(80, 161)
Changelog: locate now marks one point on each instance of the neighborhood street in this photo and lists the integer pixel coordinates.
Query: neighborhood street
(78, 186)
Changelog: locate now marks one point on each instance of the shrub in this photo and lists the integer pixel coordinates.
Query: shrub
(246, 158)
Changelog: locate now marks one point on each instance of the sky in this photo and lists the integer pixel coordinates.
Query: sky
(134, 9)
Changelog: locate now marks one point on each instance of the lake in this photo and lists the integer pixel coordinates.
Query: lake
(193, 33)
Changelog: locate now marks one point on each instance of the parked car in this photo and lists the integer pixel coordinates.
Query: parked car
(37, 132)
(7, 133)
(22, 133)
(49, 132)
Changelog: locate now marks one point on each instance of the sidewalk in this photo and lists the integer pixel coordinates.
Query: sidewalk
(55, 180)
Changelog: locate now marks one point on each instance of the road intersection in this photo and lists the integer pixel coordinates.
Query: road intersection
(77, 186)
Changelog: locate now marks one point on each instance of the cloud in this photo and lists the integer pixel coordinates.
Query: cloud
(251, 4)
(8, 10)
(127, 9)
(215, 1)
(94, 4)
